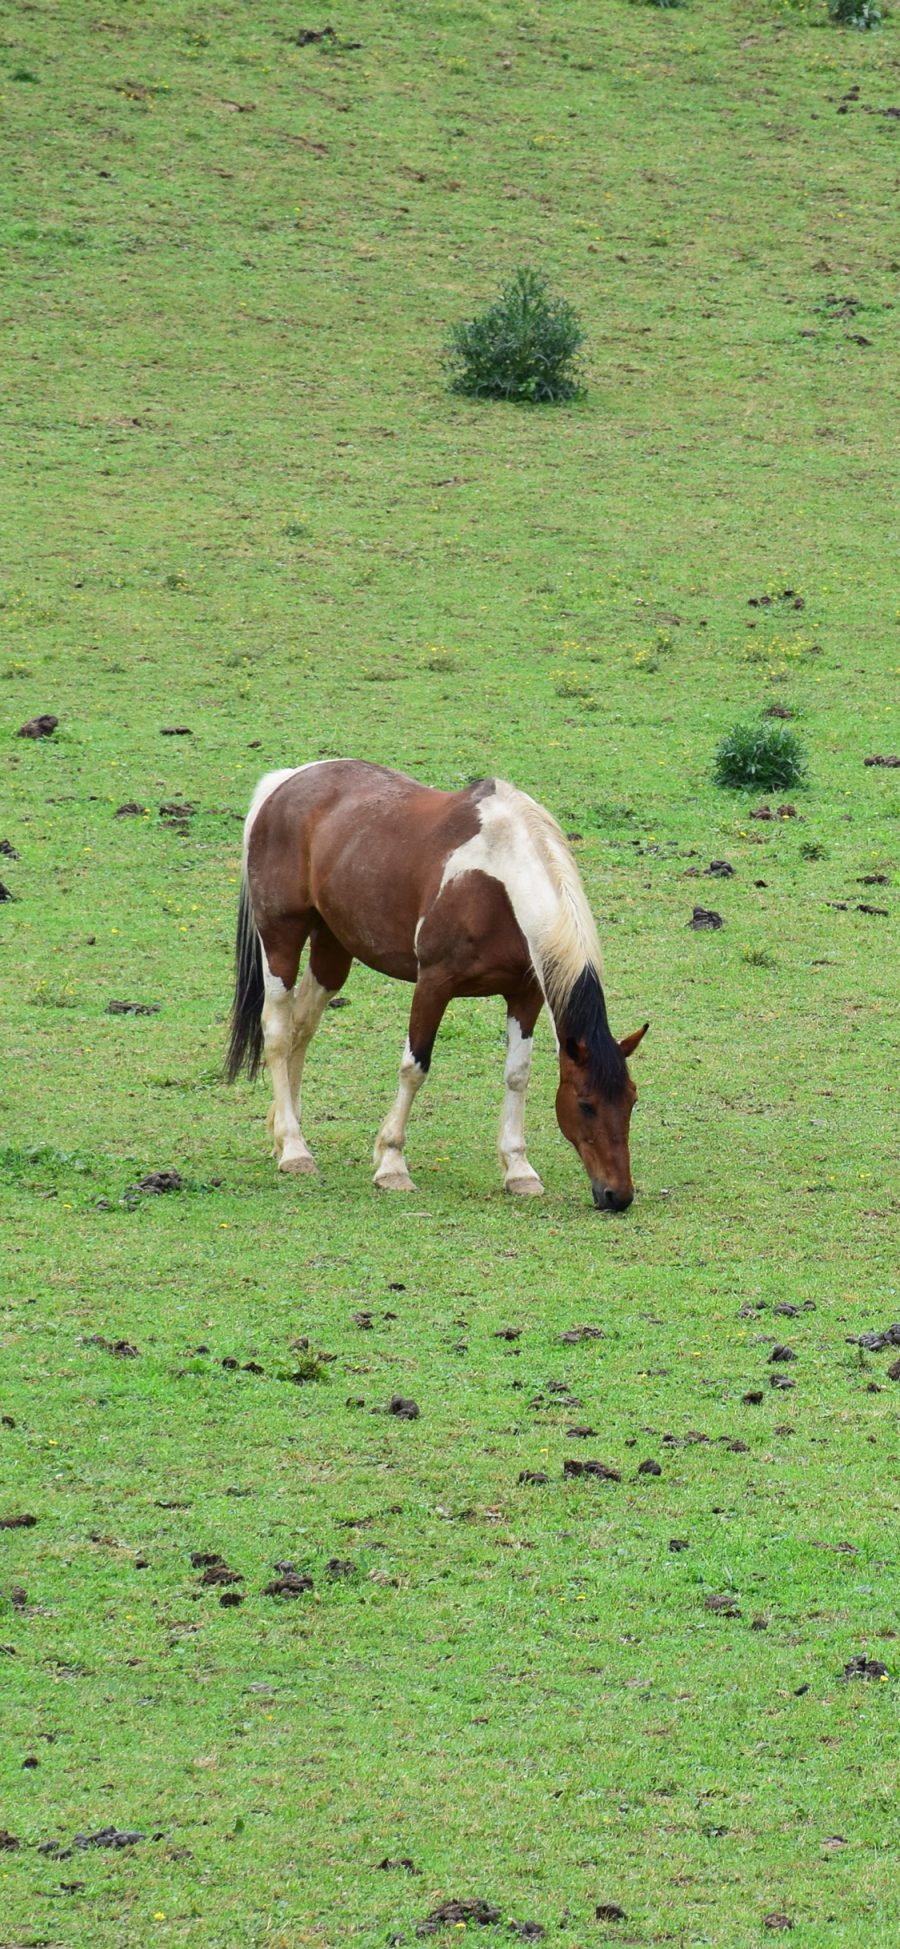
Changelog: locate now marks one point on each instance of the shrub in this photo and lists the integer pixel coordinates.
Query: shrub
(760, 757)
(522, 347)
(855, 13)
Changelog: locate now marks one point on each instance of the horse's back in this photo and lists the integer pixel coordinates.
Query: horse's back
(362, 846)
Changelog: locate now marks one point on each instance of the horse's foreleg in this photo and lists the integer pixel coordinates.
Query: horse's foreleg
(518, 1176)
(429, 1003)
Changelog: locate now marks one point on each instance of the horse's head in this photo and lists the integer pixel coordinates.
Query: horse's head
(595, 1118)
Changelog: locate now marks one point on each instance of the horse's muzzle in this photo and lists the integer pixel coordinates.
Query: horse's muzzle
(606, 1199)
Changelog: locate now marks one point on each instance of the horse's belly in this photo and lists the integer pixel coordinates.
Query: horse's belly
(369, 935)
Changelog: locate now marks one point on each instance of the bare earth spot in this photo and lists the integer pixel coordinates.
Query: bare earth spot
(404, 1409)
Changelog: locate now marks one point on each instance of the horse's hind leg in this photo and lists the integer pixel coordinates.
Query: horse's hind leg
(282, 947)
(518, 1176)
(327, 970)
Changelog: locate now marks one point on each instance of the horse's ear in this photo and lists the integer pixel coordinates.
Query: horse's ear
(629, 1043)
(576, 1051)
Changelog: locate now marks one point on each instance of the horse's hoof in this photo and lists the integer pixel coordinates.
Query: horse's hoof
(525, 1187)
(303, 1165)
(393, 1181)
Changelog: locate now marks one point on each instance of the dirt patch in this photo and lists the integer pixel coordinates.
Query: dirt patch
(218, 1573)
(121, 1349)
(130, 810)
(782, 1353)
(723, 1604)
(535, 1477)
(719, 869)
(574, 1335)
(17, 1522)
(403, 1408)
(387, 1866)
(451, 1914)
(892, 763)
(38, 727)
(649, 1467)
(888, 1336)
(705, 917)
(157, 1182)
(781, 812)
(863, 1667)
(610, 1912)
(291, 1583)
(599, 1470)
(115, 1837)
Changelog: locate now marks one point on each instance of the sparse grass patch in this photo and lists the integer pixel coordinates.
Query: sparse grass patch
(760, 757)
(572, 685)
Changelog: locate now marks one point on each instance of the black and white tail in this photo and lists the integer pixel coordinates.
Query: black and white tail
(245, 1048)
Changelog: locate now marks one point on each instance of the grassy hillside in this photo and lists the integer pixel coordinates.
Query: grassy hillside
(240, 504)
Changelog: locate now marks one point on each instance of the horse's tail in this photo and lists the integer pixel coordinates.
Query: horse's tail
(245, 1046)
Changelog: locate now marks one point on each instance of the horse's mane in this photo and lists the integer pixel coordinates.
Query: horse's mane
(567, 954)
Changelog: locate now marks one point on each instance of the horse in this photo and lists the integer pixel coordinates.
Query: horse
(473, 892)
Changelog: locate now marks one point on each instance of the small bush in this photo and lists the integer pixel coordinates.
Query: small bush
(760, 757)
(855, 13)
(522, 347)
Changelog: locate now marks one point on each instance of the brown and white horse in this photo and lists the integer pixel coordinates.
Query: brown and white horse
(462, 893)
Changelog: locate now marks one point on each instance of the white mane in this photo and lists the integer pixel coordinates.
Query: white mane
(521, 845)
(567, 941)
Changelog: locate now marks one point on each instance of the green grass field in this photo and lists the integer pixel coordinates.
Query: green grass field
(237, 497)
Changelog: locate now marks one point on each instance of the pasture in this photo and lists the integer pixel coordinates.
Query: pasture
(246, 524)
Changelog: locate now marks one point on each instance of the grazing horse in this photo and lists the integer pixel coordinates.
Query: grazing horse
(462, 893)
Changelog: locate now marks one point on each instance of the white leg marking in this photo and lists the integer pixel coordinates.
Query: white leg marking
(310, 1003)
(278, 1033)
(391, 1173)
(518, 1175)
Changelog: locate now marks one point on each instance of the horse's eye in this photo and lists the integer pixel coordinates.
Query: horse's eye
(587, 1109)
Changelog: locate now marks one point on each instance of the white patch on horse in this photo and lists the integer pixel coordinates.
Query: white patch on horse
(391, 1173)
(518, 1175)
(521, 845)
